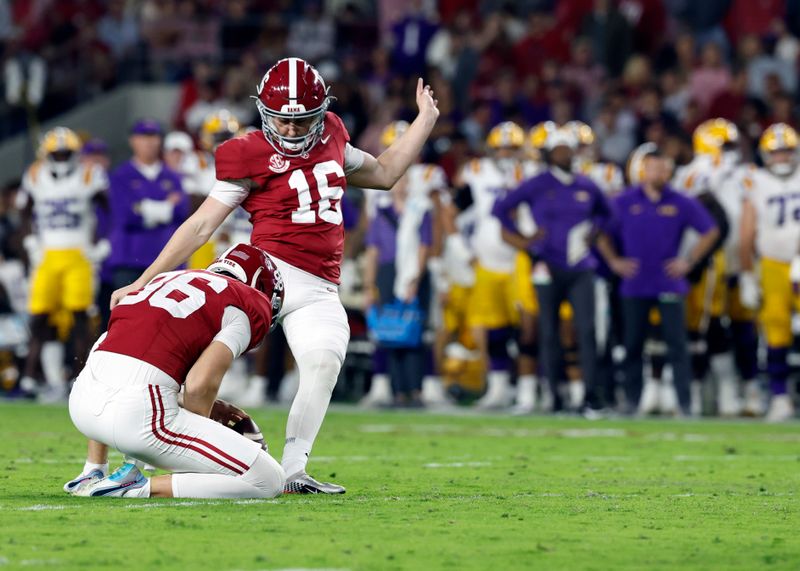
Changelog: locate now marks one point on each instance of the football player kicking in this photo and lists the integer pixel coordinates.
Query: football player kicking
(290, 178)
(181, 331)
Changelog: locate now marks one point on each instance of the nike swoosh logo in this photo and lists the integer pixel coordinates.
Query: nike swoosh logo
(325, 139)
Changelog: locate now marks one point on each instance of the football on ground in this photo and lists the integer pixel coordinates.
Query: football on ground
(432, 492)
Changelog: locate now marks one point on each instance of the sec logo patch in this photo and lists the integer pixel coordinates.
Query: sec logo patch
(278, 164)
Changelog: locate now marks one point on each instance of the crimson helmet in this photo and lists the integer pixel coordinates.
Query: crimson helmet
(254, 267)
(292, 89)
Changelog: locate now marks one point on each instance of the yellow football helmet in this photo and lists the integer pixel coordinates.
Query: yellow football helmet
(392, 132)
(778, 137)
(582, 131)
(58, 140)
(711, 136)
(635, 167)
(505, 135)
(218, 127)
(537, 136)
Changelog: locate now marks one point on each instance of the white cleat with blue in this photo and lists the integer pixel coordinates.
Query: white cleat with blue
(125, 479)
(83, 480)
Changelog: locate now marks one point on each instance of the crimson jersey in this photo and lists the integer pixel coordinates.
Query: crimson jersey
(295, 205)
(170, 321)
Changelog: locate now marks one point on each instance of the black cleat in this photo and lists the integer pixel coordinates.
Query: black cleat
(302, 483)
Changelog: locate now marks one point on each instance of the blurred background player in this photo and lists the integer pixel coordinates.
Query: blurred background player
(61, 192)
(493, 312)
(607, 176)
(715, 146)
(770, 235)
(732, 342)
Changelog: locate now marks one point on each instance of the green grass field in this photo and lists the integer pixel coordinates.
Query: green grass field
(433, 492)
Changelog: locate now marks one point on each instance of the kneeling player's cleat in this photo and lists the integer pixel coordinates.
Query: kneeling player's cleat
(302, 483)
(124, 479)
(83, 480)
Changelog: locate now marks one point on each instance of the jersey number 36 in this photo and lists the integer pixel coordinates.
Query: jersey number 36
(178, 296)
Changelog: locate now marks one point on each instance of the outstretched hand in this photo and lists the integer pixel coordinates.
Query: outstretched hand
(425, 101)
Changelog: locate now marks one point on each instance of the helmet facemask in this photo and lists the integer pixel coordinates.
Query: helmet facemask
(61, 163)
(293, 146)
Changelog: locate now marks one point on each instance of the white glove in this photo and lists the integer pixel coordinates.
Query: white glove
(794, 270)
(155, 212)
(99, 251)
(33, 248)
(748, 290)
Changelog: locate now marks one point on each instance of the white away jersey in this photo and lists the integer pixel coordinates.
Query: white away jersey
(62, 207)
(421, 180)
(607, 176)
(489, 180)
(777, 204)
(729, 192)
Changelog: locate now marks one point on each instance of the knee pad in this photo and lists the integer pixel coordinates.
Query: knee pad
(266, 475)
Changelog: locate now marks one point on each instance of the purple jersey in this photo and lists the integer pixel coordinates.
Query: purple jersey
(565, 213)
(382, 233)
(651, 233)
(139, 226)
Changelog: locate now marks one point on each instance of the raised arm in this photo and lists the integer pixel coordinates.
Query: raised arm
(189, 236)
(385, 170)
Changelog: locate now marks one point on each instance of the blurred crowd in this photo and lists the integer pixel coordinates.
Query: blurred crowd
(632, 71)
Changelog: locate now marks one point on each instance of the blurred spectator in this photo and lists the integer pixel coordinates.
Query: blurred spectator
(583, 72)
(147, 205)
(787, 47)
(610, 36)
(313, 35)
(710, 78)
(615, 128)
(236, 96)
(542, 41)
(119, 30)
(761, 65)
(704, 18)
(239, 30)
(676, 93)
(409, 40)
(649, 22)
(746, 17)
(205, 104)
(728, 104)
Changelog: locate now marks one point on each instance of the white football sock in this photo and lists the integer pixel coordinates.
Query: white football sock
(526, 391)
(318, 371)
(89, 466)
(52, 358)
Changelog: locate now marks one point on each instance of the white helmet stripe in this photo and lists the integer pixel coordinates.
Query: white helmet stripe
(293, 64)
